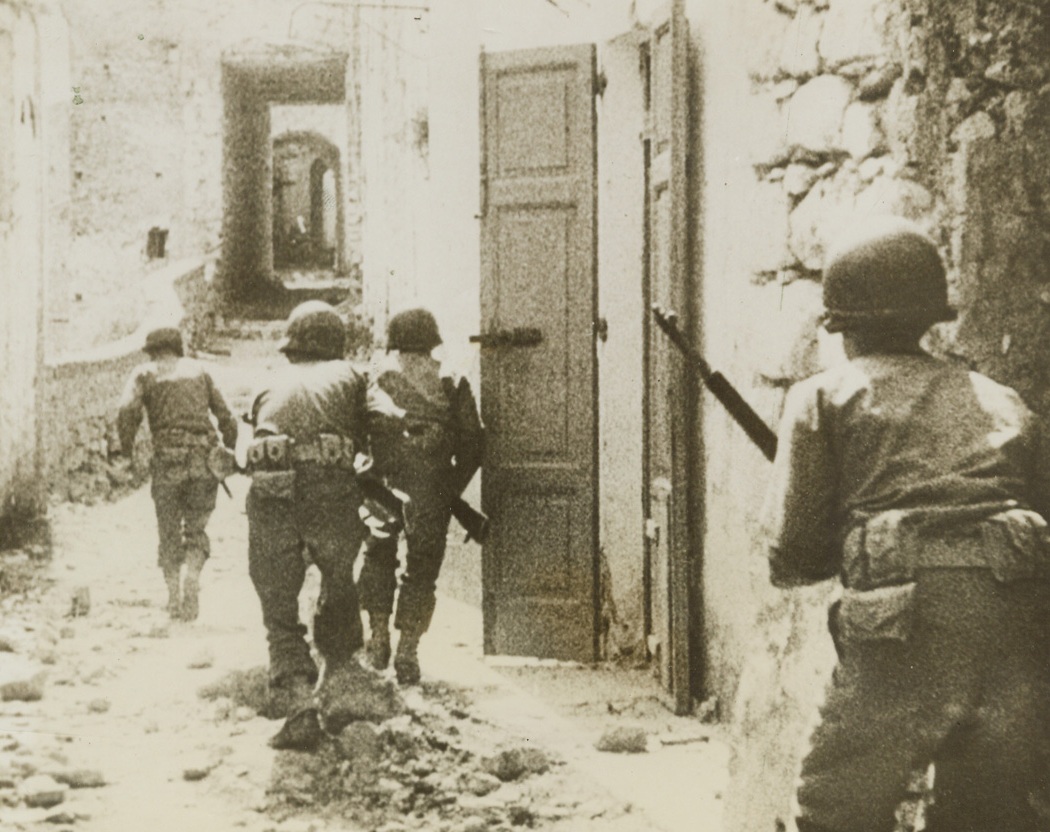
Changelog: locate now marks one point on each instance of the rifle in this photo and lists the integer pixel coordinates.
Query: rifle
(387, 506)
(743, 414)
(474, 523)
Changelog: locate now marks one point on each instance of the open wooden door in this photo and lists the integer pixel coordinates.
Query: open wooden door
(669, 426)
(538, 359)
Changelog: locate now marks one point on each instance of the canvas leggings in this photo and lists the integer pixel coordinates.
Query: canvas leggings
(967, 691)
(316, 516)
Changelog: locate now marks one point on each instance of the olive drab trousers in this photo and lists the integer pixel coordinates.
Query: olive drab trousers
(967, 689)
(184, 494)
(311, 511)
(422, 469)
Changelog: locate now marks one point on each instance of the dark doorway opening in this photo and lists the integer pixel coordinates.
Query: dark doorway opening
(307, 203)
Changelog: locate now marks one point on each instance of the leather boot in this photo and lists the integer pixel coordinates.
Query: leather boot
(377, 651)
(406, 662)
(191, 586)
(301, 732)
(171, 579)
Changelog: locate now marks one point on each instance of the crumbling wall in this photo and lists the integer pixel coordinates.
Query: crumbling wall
(815, 113)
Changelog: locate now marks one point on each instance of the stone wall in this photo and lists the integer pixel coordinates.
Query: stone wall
(81, 390)
(816, 113)
(22, 238)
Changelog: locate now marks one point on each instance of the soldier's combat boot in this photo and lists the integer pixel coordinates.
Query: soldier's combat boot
(191, 587)
(377, 651)
(171, 579)
(287, 697)
(406, 661)
(301, 732)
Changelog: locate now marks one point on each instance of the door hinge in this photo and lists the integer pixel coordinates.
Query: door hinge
(601, 81)
(652, 529)
(601, 329)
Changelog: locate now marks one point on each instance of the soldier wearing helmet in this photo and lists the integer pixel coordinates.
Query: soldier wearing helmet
(914, 482)
(180, 400)
(310, 422)
(431, 458)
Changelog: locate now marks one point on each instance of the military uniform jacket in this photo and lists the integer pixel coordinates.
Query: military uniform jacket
(179, 399)
(309, 399)
(890, 463)
(441, 418)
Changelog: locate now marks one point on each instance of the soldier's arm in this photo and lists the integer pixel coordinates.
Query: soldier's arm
(799, 513)
(129, 412)
(469, 446)
(221, 411)
(1040, 473)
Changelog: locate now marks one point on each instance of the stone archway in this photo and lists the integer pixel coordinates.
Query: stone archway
(303, 161)
(254, 78)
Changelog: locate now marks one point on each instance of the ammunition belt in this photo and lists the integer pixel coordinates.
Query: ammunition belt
(179, 438)
(282, 453)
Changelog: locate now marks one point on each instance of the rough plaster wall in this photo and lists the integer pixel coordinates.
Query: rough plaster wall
(394, 159)
(22, 228)
(621, 200)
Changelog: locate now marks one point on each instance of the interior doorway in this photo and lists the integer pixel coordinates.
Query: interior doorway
(307, 202)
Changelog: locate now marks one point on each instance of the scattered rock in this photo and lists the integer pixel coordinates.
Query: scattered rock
(198, 769)
(21, 680)
(80, 778)
(42, 792)
(98, 706)
(61, 817)
(360, 741)
(243, 713)
(623, 740)
(202, 660)
(67, 632)
(513, 763)
(481, 783)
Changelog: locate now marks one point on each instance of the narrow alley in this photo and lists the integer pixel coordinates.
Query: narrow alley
(146, 723)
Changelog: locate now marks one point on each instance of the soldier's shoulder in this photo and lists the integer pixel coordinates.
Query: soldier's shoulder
(145, 371)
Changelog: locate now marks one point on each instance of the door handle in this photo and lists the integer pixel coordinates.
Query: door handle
(521, 336)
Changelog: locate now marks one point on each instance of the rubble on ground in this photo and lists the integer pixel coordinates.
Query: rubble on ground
(432, 767)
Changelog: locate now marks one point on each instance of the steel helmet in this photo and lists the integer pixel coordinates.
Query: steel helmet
(164, 339)
(314, 330)
(413, 330)
(884, 272)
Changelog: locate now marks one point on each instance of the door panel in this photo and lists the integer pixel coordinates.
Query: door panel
(668, 401)
(539, 401)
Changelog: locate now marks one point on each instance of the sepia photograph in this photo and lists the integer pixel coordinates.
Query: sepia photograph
(494, 415)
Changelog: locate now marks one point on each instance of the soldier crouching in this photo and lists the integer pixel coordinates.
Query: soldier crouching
(916, 482)
(310, 422)
(179, 398)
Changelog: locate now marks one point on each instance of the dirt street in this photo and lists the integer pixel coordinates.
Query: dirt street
(116, 719)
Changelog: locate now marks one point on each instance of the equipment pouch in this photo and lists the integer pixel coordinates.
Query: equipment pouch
(331, 448)
(878, 614)
(274, 485)
(257, 453)
(1015, 542)
(277, 450)
(885, 552)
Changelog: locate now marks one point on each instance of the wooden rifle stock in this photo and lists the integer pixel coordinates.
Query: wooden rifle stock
(754, 426)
